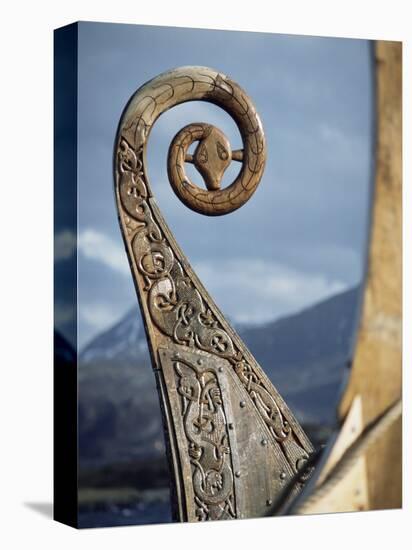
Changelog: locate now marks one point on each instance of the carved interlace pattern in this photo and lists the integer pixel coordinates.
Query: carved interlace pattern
(177, 308)
(207, 435)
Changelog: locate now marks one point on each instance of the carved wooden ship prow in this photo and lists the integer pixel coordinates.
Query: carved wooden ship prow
(234, 445)
(235, 449)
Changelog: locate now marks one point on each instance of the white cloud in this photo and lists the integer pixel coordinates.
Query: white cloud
(339, 261)
(256, 291)
(250, 290)
(64, 245)
(98, 316)
(94, 245)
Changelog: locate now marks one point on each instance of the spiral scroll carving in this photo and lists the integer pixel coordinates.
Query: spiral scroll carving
(177, 309)
(200, 83)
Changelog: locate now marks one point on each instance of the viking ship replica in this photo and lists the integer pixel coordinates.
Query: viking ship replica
(235, 448)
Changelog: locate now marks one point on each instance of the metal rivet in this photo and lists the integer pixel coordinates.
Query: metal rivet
(300, 464)
(282, 475)
(264, 442)
(220, 369)
(177, 356)
(199, 362)
(269, 502)
(237, 474)
(243, 404)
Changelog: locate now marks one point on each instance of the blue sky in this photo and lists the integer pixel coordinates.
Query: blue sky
(300, 238)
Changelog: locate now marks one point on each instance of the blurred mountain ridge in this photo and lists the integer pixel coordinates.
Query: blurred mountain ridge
(305, 355)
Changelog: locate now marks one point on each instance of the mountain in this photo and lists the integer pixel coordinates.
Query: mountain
(305, 355)
(125, 341)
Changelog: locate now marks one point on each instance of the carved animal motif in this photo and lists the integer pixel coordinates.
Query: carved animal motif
(178, 311)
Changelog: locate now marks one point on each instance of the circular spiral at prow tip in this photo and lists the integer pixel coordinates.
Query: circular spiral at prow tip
(213, 153)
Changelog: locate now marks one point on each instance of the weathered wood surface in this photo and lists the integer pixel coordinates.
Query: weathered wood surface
(233, 443)
(349, 490)
(376, 374)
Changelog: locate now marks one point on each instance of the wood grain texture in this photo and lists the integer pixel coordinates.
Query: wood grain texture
(233, 444)
(377, 368)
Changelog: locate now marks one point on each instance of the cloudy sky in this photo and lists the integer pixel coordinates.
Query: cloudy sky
(299, 239)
